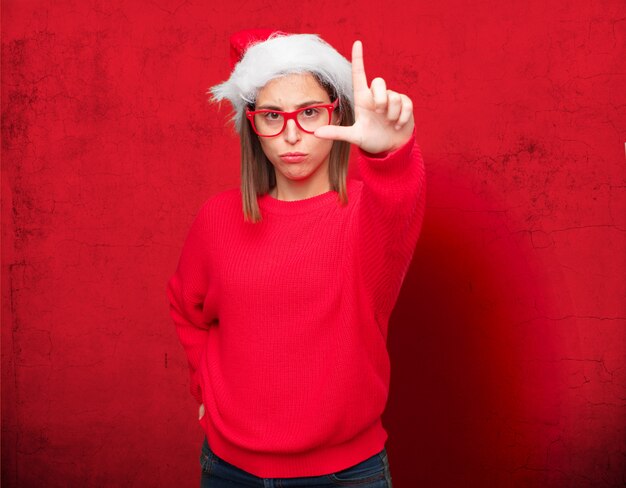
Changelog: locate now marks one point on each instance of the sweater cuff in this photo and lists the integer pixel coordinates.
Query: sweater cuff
(385, 171)
(400, 152)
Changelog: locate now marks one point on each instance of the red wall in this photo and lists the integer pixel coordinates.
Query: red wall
(507, 343)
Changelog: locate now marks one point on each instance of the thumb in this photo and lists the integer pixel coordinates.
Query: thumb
(337, 132)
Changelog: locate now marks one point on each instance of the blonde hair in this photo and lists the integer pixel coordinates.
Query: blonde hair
(258, 175)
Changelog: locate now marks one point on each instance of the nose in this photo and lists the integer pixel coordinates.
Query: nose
(292, 133)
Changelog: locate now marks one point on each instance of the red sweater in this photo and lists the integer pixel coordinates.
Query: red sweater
(284, 322)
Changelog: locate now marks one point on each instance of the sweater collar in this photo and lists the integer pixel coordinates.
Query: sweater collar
(290, 207)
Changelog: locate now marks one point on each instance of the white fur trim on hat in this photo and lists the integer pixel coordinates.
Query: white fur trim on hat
(280, 55)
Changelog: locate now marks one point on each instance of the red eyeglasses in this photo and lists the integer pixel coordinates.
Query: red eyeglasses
(270, 123)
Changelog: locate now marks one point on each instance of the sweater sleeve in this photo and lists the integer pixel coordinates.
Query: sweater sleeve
(389, 218)
(186, 291)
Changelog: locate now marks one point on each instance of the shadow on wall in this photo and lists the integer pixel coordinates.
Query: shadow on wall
(473, 397)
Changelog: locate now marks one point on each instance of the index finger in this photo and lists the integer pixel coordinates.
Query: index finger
(359, 81)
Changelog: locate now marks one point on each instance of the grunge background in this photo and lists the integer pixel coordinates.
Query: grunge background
(508, 340)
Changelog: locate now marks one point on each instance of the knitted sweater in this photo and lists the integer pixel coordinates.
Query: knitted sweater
(284, 322)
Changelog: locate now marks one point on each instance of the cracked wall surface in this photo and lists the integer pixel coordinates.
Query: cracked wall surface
(508, 340)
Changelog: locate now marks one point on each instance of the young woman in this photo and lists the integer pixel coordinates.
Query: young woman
(284, 286)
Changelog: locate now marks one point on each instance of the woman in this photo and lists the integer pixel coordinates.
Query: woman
(284, 287)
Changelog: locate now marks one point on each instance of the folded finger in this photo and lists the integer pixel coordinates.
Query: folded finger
(378, 88)
(406, 112)
(394, 105)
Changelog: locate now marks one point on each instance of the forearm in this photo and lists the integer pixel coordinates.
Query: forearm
(390, 218)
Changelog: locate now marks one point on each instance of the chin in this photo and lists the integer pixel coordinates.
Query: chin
(297, 177)
(298, 174)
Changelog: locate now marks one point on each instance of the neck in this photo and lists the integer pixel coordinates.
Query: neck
(291, 190)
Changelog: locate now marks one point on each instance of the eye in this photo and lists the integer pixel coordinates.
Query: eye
(272, 115)
(311, 112)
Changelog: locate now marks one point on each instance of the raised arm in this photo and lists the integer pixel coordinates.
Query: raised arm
(392, 201)
(390, 215)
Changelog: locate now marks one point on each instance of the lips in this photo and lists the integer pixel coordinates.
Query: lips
(293, 157)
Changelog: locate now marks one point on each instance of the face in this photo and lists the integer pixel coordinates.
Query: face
(288, 93)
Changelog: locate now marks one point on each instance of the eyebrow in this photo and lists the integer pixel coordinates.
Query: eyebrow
(305, 104)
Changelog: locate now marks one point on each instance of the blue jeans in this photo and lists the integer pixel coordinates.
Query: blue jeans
(217, 473)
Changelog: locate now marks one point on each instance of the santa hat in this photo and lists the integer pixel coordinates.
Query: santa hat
(261, 55)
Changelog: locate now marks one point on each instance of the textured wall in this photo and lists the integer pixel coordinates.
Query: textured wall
(507, 343)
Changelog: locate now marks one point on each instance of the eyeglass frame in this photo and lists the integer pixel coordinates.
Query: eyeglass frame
(291, 115)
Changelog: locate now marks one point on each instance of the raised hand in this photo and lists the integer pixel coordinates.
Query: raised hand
(383, 118)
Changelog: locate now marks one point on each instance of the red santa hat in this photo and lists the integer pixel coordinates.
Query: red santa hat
(259, 55)
(240, 41)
